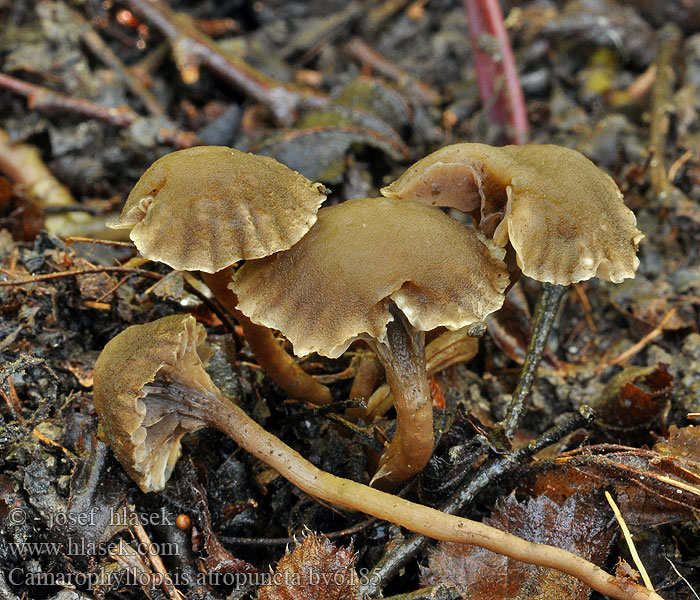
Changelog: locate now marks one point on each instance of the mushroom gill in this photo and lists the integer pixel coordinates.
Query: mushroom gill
(140, 424)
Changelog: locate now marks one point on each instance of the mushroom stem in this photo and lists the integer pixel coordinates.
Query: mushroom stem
(545, 311)
(368, 371)
(225, 416)
(403, 357)
(278, 364)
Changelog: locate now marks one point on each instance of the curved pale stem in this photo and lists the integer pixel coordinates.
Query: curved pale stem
(403, 357)
(221, 414)
(277, 362)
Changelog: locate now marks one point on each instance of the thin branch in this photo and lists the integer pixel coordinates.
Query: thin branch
(100, 49)
(191, 48)
(241, 541)
(359, 50)
(398, 557)
(661, 104)
(46, 100)
(75, 272)
(639, 346)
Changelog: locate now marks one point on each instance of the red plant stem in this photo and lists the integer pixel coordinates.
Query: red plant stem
(495, 67)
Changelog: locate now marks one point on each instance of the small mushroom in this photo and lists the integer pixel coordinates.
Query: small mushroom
(386, 271)
(204, 209)
(137, 376)
(151, 388)
(564, 217)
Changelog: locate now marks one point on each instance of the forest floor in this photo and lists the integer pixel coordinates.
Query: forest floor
(348, 93)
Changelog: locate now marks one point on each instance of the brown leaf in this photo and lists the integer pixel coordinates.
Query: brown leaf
(315, 570)
(577, 524)
(95, 285)
(19, 215)
(684, 444)
(633, 401)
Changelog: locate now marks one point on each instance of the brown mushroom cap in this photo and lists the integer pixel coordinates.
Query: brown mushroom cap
(335, 284)
(207, 207)
(145, 436)
(564, 217)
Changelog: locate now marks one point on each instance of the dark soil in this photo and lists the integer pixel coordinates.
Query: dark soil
(383, 84)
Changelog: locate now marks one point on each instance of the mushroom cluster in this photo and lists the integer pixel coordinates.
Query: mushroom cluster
(384, 270)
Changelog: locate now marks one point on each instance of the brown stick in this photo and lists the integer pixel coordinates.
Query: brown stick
(46, 100)
(278, 364)
(661, 103)
(361, 51)
(192, 47)
(106, 55)
(87, 271)
(156, 562)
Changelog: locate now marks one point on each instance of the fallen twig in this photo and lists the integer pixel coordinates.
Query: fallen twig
(633, 350)
(76, 272)
(157, 563)
(661, 104)
(46, 100)
(191, 48)
(361, 51)
(241, 541)
(396, 559)
(107, 56)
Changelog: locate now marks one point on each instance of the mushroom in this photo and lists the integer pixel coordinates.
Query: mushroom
(564, 218)
(385, 271)
(206, 208)
(151, 388)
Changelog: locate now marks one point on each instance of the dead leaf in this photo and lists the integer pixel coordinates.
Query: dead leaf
(633, 401)
(684, 444)
(315, 570)
(642, 478)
